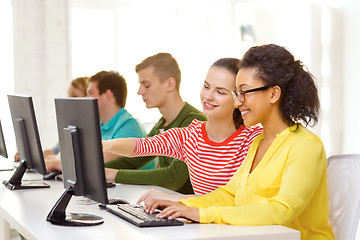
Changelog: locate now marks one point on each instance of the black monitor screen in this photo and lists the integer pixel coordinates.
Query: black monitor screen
(27, 141)
(5, 165)
(81, 154)
(3, 151)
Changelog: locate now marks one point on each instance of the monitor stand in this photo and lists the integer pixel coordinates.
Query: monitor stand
(58, 216)
(15, 181)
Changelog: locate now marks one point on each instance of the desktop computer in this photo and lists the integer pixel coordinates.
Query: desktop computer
(83, 167)
(81, 159)
(27, 141)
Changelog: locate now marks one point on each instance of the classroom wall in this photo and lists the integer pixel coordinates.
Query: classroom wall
(7, 71)
(351, 81)
(42, 61)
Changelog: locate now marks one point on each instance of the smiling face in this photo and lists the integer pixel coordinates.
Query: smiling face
(256, 107)
(216, 95)
(152, 90)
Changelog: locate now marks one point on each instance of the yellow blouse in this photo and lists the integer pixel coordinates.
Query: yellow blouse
(288, 187)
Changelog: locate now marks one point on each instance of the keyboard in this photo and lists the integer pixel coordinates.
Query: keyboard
(135, 214)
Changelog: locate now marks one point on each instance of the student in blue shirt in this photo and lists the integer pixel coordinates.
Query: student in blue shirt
(110, 89)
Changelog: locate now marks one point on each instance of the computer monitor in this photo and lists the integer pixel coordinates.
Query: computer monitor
(81, 159)
(27, 141)
(5, 164)
(3, 151)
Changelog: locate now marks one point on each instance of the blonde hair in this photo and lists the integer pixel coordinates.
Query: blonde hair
(81, 83)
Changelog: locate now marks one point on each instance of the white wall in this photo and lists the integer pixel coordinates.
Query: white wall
(43, 68)
(42, 58)
(6, 70)
(351, 65)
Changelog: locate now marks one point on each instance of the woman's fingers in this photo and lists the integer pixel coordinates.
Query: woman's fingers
(159, 204)
(176, 211)
(143, 197)
(170, 212)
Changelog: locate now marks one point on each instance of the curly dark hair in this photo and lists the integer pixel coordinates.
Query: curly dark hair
(232, 65)
(276, 66)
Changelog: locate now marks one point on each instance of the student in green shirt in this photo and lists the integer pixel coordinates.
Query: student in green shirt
(159, 78)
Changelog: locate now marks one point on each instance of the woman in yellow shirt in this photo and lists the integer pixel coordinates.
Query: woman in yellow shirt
(283, 178)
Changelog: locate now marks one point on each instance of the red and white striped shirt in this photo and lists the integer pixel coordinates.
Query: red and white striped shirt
(210, 164)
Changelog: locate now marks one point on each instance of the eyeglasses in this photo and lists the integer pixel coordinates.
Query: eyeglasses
(240, 95)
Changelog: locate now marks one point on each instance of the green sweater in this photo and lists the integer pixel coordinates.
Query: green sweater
(172, 173)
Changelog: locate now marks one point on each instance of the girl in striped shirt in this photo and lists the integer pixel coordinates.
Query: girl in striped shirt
(212, 150)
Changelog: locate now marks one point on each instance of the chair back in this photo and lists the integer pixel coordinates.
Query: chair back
(344, 194)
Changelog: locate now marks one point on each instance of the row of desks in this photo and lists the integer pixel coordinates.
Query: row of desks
(26, 211)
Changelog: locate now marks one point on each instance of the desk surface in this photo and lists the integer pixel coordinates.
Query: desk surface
(26, 211)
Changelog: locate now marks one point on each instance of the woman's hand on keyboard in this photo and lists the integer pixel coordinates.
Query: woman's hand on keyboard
(173, 210)
(156, 194)
(160, 204)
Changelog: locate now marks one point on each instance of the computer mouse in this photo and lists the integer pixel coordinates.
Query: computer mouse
(51, 175)
(110, 184)
(113, 201)
(117, 201)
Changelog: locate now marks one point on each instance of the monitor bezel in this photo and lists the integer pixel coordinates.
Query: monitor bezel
(3, 150)
(22, 107)
(28, 143)
(81, 158)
